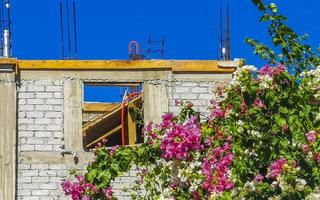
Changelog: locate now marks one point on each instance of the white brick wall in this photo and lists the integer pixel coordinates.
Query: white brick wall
(199, 93)
(40, 128)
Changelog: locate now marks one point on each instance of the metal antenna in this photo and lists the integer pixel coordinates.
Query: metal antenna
(159, 50)
(68, 26)
(5, 29)
(61, 29)
(75, 29)
(228, 56)
(221, 34)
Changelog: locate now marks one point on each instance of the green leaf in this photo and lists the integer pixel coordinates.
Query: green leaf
(273, 8)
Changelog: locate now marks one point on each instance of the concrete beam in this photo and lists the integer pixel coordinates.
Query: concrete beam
(155, 102)
(73, 98)
(7, 136)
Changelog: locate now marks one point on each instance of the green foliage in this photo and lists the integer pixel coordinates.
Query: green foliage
(294, 53)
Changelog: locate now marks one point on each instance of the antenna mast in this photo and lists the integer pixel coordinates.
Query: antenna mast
(5, 30)
(67, 7)
(228, 55)
(152, 45)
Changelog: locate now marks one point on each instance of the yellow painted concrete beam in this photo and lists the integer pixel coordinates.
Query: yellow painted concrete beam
(173, 65)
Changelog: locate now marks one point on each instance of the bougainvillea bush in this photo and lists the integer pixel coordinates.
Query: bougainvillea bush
(261, 141)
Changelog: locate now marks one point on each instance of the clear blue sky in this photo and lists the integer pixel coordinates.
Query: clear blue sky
(105, 27)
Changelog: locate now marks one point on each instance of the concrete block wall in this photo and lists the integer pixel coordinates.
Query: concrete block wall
(199, 93)
(41, 166)
(40, 129)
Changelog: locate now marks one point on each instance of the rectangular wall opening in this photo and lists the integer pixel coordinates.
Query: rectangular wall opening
(112, 111)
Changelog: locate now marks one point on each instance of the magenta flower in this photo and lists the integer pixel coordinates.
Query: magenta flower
(259, 103)
(311, 136)
(243, 106)
(317, 157)
(108, 193)
(182, 139)
(276, 168)
(258, 178)
(305, 148)
(113, 149)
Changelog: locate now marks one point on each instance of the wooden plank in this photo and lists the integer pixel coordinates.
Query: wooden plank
(105, 135)
(174, 65)
(105, 117)
(99, 107)
(131, 128)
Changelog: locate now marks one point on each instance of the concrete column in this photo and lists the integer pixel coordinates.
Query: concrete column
(7, 135)
(155, 103)
(73, 95)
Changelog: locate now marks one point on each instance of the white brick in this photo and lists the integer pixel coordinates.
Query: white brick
(49, 186)
(57, 166)
(35, 101)
(58, 95)
(57, 179)
(25, 121)
(53, 114)
(26, 95)
(26, 147)
(54, 141)
(43, 82)
(54, 101)
(43, 134)
(43, 147)
(30, 186)
(24, 179)
(44, 95)
(188, 96)
(53, 127)
(58, 121)
(34, 114)
(47, 173)
(44, 107)
(25, 107)
(36, 128)
(57, 108)
(189, 84)
(53, 88)
(199, 90)
(24, 166)
(35, 141)
(40, 179)
(182, 89)
(30, 198)
(28, 173)
(22, 101)
(22, 88)
(42, 121)
(35, 88)
(206, 96)
(40, 192)
(22, 114)
(40, 166)
(24, 192)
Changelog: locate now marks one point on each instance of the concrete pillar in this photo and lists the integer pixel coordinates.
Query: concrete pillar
(155, 102)
(73, 95)
(7, 135)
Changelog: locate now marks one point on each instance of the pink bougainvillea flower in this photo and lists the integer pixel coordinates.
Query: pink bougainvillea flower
(276, 168)
(243, 106)
(113, 149)
(311, 136)
(317, 157)
(108, 193)
(182, 139)
(305, 148)
(259, 103)
(258, 178)
(285, 128)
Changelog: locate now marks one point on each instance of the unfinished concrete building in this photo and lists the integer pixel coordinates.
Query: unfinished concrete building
(46, 127)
